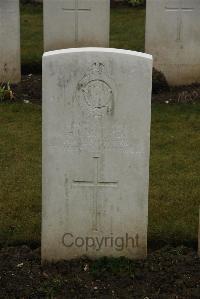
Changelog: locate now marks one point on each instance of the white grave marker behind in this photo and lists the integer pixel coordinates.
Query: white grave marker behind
(76, 23)
(10, 68)
(173, 38)
(96, 131)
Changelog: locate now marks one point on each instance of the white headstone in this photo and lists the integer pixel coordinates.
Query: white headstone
(10, 68)
(96, 132)
(76, 23)
(173, 38)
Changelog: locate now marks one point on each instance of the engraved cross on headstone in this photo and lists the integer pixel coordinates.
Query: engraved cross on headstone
(179, 9)
(95, 185)
(76, 10)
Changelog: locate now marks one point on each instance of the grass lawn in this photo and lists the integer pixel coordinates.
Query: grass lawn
(31, 38)
(174, 173)
(20, 176)
(127, 32)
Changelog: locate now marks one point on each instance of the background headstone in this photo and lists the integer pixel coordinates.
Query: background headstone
(10, 68)
(76, 23)
(96, 133)
(173, 38)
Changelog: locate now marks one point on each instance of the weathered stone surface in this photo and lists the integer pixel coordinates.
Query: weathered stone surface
(10, 69)
(96, 132)
(76, 23)
(173, 38)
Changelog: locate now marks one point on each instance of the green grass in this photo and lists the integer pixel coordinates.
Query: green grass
(127, 32)
(174, 173)
(127, 29)
(31, 38)
(20, 176)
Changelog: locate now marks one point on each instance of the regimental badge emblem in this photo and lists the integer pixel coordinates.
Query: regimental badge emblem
(95, 92)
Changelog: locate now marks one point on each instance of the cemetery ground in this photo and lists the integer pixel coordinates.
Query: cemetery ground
(172, 269)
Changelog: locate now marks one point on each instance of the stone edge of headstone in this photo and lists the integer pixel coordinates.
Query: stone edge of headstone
(98, 50)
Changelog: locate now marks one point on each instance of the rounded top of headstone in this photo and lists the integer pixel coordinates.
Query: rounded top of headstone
(98, 50)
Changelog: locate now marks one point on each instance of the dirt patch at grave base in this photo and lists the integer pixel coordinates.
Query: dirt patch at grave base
(181, 94)
(167, 273)
(30, 89)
